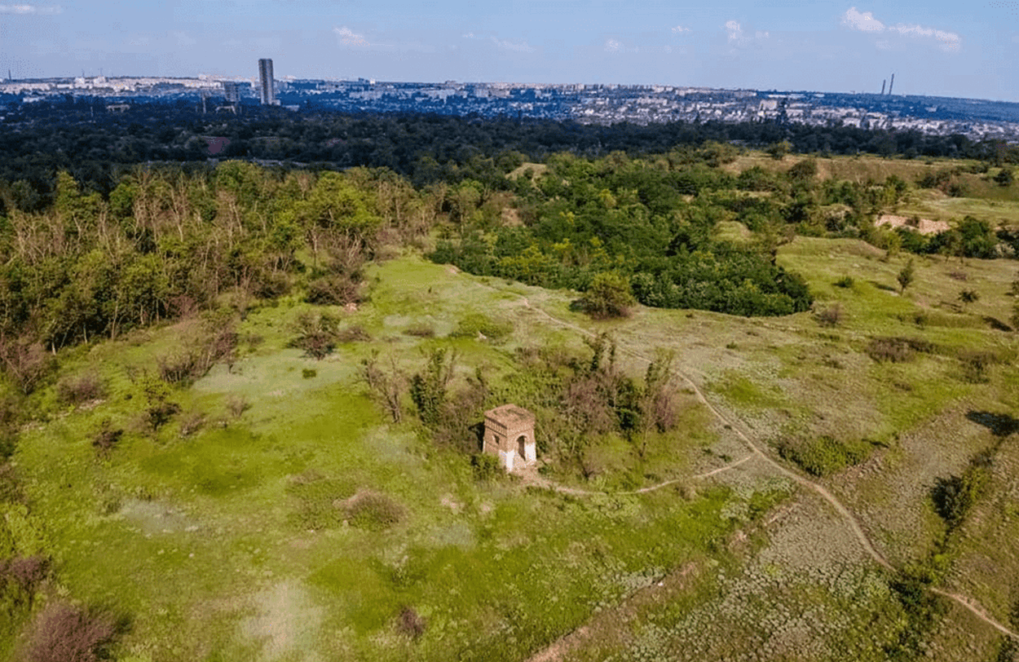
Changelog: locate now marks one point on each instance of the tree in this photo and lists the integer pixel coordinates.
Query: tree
(906, 276)
(387, 387)
(428, 388)
(779, 150)
(609, 295)
(657, 407)
(1004, 177)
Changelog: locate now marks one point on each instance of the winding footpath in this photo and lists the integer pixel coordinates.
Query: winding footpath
(755, 451)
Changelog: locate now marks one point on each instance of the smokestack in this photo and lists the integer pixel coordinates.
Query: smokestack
(891, 85)
(883, 83)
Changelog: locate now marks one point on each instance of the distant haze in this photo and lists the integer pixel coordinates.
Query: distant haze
(936, 48)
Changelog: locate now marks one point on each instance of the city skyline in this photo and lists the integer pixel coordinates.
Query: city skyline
(959, 51)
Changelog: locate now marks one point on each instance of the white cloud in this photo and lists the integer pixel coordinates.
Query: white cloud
(504, 44)
(862, 21)
(865, 22)
(679, 29)
(515, 46)
(616, 46)
(735, 30)
(29, 9)
(183, 39)
(738, 37)
(348, 37)
(949, 41)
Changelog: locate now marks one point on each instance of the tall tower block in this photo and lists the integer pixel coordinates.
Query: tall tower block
(267, 88)
(891, 85)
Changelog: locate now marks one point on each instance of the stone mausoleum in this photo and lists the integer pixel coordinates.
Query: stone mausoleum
(509, 433)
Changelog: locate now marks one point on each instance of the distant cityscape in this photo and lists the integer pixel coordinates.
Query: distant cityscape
(601, 104)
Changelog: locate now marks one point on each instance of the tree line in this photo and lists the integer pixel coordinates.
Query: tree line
(97, 148)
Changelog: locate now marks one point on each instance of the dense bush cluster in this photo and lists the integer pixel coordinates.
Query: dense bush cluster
(825, 455)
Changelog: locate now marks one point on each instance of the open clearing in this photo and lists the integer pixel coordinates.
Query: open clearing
(238, 541)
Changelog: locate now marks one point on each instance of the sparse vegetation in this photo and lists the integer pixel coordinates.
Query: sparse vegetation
(330, 510)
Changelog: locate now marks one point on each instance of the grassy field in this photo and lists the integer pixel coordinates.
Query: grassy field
(282, 516)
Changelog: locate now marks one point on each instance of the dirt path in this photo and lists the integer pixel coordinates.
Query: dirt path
(971, 605)
(530, 476)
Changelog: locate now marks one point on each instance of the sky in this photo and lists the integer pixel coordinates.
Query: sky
(959, 49)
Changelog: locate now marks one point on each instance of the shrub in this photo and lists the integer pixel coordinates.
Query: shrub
(967, 297)
(373, 511)
(334, 290)
(27, 364)
(825, 455)
(316, 333)
(191, 422)
(846, 282)
(160, 409)
(830, 317)
(428, 387)
(214, 340)
(896, 349)
(420, 331)
(106, 437)
(308, 373)
(609, 295)
(27, 572)
(65, 633)
(906, 276)
(975, 365)
(474, 324)
(237, 405)
(179, 368)
(354, 333)
(10, 488)
(411, 623)
(486, 467)
(387, 387)
(954, 496)
(81, 389)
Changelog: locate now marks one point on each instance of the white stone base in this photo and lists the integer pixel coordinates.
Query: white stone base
(506, 459)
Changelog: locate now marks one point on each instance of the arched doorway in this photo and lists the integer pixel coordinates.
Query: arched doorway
(521, 446)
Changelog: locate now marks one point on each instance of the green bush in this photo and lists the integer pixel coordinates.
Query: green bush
(316, 333)
(825, 455)
(609, 295)
(373, 511)
(954, 496)
(473, 324)
(486, 467)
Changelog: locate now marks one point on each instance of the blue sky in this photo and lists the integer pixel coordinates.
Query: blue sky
(968, 49)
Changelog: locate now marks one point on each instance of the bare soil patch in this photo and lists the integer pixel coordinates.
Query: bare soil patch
(923, 225)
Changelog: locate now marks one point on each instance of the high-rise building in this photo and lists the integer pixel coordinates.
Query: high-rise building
(267, 88)
(232, 92)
